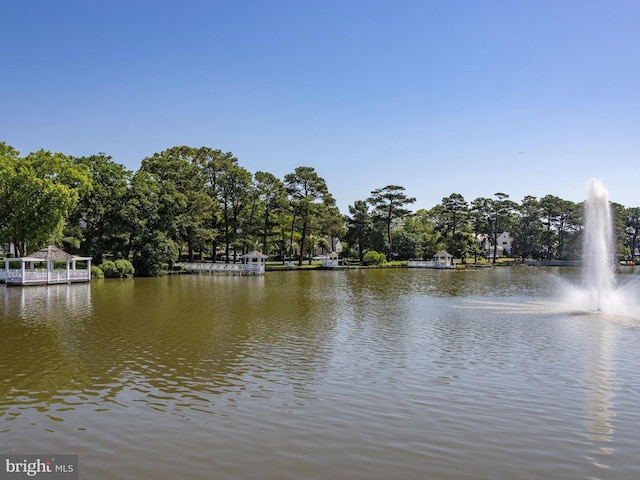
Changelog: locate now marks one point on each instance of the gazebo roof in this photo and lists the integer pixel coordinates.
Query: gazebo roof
(254, 254)
(51, 253)
(443, 253)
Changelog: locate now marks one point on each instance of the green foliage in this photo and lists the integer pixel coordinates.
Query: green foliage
(37, 193)
(360, 226)
(388, 204)
(109, 269)
(199, 199)
(374, 258)
(117, 269)
(125, 268)
(98, 223)
(96, 273)
(154, 256)
(271, 198)
(306, 189)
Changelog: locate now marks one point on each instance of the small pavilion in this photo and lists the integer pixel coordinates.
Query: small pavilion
(253, 262)
(45, 267)
(330, 260)
(443, 259)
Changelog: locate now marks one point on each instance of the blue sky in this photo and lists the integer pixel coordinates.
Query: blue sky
(470, 96)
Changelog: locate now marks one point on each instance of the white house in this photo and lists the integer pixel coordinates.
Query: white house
(503, 245)
(334, 246)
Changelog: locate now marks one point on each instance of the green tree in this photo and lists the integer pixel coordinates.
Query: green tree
(550, 212)
(528, 228)
(569, 226)
(9, 161)
(619, 214)
(215, 164)
(38, 193)
(632, 230)
(97, 221)
(306, 191)
(151, 249)
(451, 218)
(359, 226)
(272, 196)
(184, 204)
(235, 188)
(501, 211)
(331, 222)
(420, 226)
(563, 222)
(388, 204)
(481, 215)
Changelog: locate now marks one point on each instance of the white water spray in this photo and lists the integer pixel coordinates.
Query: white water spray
(599, 291)
(598, 254)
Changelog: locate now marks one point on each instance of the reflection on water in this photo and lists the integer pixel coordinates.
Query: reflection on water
(600, 399)
(354, 374)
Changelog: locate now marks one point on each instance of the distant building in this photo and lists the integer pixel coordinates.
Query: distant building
(334, 246)
(503, 246)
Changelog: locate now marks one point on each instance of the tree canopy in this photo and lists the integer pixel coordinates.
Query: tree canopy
(194, 203)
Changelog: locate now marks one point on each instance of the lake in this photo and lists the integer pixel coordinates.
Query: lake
(358, 374)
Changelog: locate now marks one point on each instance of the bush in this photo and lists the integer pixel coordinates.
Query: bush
(96, 272)
(374, 258)
(109, 269)
(117, 269)
(125, 269)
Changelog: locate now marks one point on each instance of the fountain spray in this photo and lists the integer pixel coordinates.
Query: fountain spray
(598, 247)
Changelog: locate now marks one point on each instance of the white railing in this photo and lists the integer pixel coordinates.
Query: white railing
(429, 264)
(80, 274)
(252, 268)
(239, 268)
(39, 276)
(329, 263)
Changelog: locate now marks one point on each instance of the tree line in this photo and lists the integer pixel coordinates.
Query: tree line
(200, 203)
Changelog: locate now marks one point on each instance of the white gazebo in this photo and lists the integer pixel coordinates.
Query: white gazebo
(45, 267)
(330, 260)
(253, 262)
(441, 259)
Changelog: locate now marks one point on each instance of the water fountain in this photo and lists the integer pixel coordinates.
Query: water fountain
(598, 277)
(598, 291)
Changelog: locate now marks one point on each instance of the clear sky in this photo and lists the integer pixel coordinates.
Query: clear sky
(525, 97)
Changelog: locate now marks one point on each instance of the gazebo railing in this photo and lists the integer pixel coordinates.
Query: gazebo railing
(330, 263)
(42, 276)
(430, 264)
(80, 274)
(253, 268)
(204, 267)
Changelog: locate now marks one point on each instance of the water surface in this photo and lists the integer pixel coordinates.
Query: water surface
(346, 374)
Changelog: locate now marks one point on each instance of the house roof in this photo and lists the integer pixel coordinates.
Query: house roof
(51, 253)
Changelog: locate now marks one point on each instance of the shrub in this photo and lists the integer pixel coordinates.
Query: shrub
(96, 272)
(117, 269)
(109, 269)
(124, 268)
(374, 258)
